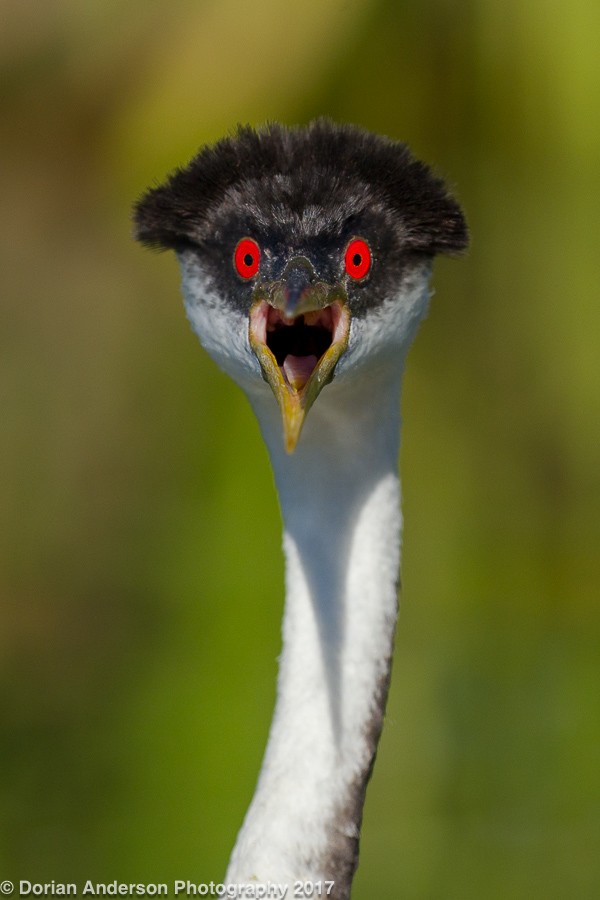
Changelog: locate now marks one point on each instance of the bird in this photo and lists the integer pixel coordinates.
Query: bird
(305, 255)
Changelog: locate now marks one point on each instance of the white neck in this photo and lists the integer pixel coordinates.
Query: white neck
(340, 500)
(340, 497)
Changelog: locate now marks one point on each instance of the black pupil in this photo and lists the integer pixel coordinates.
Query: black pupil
(248, 259)
(356, 260)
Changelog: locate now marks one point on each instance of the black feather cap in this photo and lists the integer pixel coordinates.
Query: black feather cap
(322, 176)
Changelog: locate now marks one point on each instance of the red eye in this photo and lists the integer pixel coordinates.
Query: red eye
(358, 258)
(247, 258)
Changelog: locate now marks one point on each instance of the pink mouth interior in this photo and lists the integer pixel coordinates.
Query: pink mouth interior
(298, 344)
(298, 369)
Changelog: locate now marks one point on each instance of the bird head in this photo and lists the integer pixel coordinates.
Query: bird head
(304, 251)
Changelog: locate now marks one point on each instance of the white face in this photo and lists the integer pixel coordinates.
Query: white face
(222, 330)
(386, 332)
(383, 334)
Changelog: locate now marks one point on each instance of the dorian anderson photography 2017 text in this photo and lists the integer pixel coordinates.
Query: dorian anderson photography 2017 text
(257, 890)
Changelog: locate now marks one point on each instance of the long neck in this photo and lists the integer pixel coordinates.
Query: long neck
(340, 501)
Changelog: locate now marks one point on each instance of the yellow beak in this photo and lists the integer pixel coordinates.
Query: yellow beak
(297, 377)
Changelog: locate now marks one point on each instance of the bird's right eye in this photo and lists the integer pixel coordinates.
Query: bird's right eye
(246, 258)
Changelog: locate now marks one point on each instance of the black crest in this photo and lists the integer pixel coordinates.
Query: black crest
(334, 167)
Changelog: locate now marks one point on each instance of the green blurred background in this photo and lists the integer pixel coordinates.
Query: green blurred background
(140, 567)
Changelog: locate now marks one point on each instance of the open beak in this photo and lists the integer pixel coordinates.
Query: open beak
(299, 328)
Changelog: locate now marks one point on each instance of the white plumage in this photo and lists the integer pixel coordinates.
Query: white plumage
(305, 257)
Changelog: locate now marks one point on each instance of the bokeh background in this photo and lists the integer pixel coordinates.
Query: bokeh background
(140, 567)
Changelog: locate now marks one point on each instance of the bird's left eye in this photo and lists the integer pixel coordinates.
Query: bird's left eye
(358, 258)
(247, 258)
